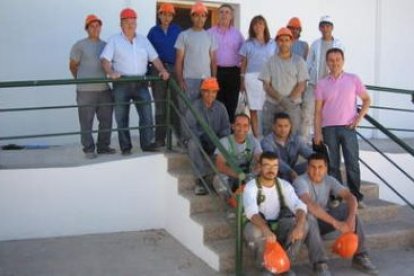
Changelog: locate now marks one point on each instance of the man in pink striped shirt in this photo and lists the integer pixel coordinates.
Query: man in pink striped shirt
(336, 118)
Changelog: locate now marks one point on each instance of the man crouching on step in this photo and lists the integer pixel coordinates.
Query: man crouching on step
(274, 211)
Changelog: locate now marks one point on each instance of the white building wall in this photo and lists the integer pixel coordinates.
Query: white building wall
(37, 36)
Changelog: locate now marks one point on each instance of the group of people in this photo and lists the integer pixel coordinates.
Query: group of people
(294, 91)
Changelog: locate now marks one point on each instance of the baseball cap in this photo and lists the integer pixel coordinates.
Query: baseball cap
(128, 13)
(326, 19)
(91, 18)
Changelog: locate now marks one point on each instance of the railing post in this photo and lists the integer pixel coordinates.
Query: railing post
(168, 117)
(239, 235)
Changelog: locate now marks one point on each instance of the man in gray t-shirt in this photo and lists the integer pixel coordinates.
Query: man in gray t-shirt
(195, 58)
(314, 189)
(92, 98)
(284, 79)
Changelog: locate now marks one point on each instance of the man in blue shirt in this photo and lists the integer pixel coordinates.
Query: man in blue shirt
(288, 146)
(163, 37)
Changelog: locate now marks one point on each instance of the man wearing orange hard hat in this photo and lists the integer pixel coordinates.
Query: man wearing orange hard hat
(314, 189)
(93, 99)
(284, 79)
(128, 54)
(195, 59)
(215, 115)
(163, 37)
(299, 47)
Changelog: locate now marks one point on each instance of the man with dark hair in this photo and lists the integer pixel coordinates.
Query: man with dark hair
(215, 116)
(93, 99)
(314, 189)
(245, 151)
(336, 119)
(288, 146)
(274, 211)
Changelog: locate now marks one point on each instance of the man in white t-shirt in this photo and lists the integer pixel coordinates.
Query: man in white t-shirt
(274, 211)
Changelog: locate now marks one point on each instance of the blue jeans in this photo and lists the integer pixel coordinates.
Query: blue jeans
(123, 94)
(346, 138)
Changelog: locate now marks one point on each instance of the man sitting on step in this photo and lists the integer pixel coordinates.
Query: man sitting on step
(244, 149)
(314, 189)
(215, 115)
(274, 211)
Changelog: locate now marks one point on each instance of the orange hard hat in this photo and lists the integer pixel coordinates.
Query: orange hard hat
(275, 258)
(166, 8)
(232, 201)
(294, 22)
(284, 31)
(210, 84)
(128, 13)
(198, 8)
(92, 18)
(346, 245)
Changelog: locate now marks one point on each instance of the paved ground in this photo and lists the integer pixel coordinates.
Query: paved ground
(146, 253)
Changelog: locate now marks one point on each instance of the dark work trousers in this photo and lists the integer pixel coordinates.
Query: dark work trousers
(99, 103)
(159, 93)
(229, 82)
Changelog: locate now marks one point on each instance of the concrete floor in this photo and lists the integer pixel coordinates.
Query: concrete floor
(146, 253)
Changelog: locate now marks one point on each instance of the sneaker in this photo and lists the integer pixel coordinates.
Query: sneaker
(321, 269)
(363, 263)
(107, 150)
(90, 155)
(199, 189)
(150, 148)
(361, 205)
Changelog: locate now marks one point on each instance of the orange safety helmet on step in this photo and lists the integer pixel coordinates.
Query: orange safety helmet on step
(346, 245)
(275, 258)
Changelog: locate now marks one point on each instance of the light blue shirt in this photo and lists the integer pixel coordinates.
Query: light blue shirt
(257, 54)
(129, 59)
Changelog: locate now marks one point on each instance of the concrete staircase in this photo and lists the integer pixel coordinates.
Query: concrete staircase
(387, 225)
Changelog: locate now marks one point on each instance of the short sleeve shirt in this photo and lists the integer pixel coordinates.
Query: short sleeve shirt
(129, 59)
(284, 74)
(197, 46)
(257, 54)
(319, 192)
(86, 53)
(339, 97)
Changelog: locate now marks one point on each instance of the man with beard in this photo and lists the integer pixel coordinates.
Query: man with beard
(274, 211)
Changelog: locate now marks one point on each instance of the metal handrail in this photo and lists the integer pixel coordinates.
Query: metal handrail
(390, 90)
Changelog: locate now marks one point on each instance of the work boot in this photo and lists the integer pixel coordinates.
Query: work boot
(321, 269)
(363, 263)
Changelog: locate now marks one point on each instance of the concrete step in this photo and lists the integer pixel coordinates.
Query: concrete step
(393, 233)
(177, 161)
(202, 204)
(378, 210)
(369, 190)
(216, 225)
